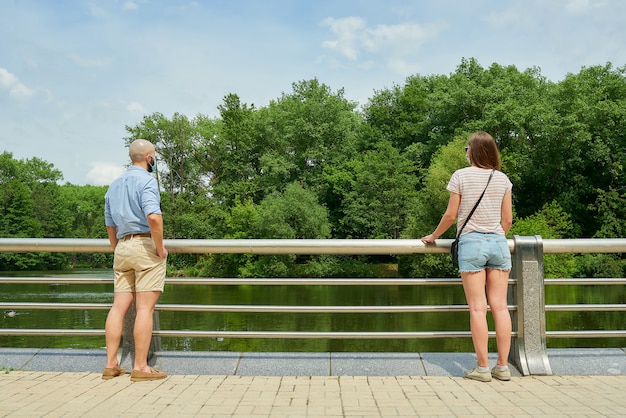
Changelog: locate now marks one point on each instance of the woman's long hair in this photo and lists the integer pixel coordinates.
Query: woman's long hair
(483, 151)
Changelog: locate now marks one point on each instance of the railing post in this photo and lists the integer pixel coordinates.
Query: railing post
(528, 351)
(127, 355)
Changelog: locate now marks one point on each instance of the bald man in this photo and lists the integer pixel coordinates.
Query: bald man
(134, 223)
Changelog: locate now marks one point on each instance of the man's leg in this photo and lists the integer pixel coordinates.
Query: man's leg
(144, 304)
(114, 326)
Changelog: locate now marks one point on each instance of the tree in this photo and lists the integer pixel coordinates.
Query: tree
(375, 191)
(311, 128)
(294, 214)
(179, 146)
(376, 173)
(596, 99)
(234, 153)
(432, 200)
(83, 211)
(550, 222)
(182, 165)
(31, 207)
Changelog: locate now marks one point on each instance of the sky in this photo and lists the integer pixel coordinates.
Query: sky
(74, 74)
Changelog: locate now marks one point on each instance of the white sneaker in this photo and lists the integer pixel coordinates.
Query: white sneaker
(475, 374)
(501, 374)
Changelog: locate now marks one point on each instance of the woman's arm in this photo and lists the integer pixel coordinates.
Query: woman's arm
(447, 219)
(506, 213)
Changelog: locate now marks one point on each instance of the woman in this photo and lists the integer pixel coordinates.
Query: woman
(484, 256)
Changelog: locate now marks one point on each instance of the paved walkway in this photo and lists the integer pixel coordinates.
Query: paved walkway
(49, 383)
(53, 394)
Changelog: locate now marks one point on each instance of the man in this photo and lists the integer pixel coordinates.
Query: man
(134, 224)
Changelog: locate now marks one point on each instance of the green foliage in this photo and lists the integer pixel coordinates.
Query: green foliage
(294, 214)
(426, 265)
(431, 203)
(85, 209)
(280, 265)
(610, 207)
(550, 222)
(376, 191)
(31, 206)
(318, 266)
(433, 196)
(310, 165)
(600, 265)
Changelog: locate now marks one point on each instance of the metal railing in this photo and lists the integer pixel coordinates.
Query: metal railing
(526, 298)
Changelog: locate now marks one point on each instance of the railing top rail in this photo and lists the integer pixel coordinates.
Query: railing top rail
(239, 246)
(584, 245)
(302, 246)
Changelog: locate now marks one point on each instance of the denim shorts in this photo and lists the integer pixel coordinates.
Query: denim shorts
(478, 251)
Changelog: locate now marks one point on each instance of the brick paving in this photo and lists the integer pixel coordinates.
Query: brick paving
(85, 394)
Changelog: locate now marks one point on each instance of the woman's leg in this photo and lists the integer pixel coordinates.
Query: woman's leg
(474, 287)
(497, 286)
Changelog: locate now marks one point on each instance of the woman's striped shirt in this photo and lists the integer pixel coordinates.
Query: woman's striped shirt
(470, 182)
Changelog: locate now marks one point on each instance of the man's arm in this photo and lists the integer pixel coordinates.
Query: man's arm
(112, 231)
(155, 222)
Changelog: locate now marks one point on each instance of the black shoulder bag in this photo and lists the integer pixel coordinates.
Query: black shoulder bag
(454, 248)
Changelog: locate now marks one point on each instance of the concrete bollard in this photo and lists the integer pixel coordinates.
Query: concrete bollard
(528, 351)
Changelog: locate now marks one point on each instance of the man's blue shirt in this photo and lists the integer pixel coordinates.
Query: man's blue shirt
(130, 199)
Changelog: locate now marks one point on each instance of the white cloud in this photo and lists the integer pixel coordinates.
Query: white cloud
(130, 5)
(404, 67)
(91, 70)
(350, 31)
(577, 6)
(136, 109)
(400, 36)
(12, 84)
(7, 79)
(398, 42)
(102, 174)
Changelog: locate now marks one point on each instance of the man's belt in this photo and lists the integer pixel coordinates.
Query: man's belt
(131, 236)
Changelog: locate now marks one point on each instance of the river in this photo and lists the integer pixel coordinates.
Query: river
(295, 296)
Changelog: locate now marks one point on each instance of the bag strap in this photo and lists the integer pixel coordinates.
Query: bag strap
(476, 205)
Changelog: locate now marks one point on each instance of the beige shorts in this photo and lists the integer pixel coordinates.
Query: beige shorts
(137, 266)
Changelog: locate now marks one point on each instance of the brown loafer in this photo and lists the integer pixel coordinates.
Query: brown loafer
(153, 374)
(109, 373)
